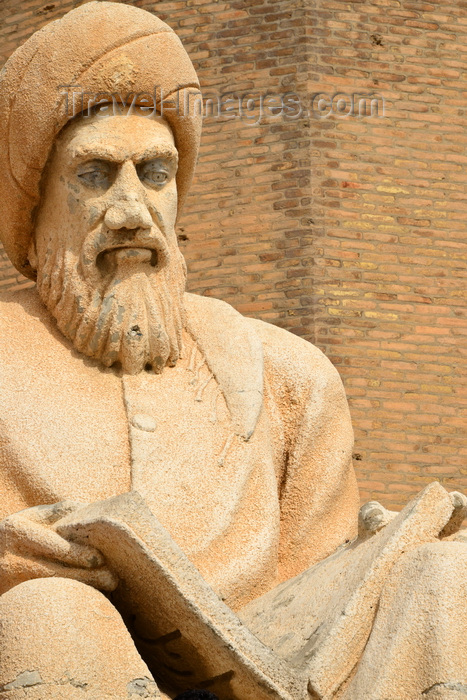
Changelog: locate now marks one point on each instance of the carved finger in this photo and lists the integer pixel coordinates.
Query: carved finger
(23, 536)
(373, 517)
(16, 570)
(102, 579)
(458, 515)
(49, 514)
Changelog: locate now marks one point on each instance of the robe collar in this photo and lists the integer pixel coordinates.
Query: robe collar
(234, 354)
(232, 349)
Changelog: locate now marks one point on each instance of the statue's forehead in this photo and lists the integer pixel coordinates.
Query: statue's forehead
(116, 137)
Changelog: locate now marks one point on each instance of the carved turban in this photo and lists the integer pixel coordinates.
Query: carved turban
(103, 47)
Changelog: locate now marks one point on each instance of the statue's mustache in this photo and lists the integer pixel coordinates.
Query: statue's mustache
(102, 240)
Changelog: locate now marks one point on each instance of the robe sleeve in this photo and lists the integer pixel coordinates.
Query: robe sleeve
(316, 482)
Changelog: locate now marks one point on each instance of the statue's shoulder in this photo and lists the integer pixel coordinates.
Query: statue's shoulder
(25, 326)
(25, 334)
(288, 359)
(18, 309)
(292, 360)
(283, 344)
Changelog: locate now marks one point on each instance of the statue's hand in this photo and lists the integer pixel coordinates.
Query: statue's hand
(29, 548)
(372, 517)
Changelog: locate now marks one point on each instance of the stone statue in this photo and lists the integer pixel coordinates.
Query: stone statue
(235, 434)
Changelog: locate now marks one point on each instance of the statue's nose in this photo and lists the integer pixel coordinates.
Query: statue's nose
(127, 208)
(128, 214)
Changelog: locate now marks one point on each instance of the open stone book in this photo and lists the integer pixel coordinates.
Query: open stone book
(188, 637)
(301, 640)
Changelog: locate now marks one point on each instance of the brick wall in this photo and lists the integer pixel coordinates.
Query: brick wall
(389, 205)
(346, 230)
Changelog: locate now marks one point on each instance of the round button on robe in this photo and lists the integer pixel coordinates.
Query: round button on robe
(144, 422)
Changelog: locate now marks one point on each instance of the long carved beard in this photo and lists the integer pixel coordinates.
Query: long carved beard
(133, 317)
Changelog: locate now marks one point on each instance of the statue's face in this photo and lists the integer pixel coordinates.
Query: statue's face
(108, 264)
(118, 171)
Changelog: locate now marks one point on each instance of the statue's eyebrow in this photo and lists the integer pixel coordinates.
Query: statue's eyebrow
(106, 152)
(157, 151)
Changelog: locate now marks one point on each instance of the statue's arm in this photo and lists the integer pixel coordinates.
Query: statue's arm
(316, 482)
(319, 496)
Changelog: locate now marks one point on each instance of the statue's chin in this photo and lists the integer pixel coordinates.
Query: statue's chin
(134, 320)
(139, 321)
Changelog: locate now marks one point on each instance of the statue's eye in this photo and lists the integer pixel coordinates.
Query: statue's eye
(95, 173)
(155, 173)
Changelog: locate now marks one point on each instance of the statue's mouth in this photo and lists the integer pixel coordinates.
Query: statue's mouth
(106, 251)
(130, 254)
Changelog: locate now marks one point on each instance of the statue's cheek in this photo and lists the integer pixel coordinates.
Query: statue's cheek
(95, 212)
(73, 203)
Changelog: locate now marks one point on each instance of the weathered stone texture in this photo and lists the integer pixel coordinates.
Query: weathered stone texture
(347, 231)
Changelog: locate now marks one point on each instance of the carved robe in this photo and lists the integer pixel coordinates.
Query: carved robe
(242, 451)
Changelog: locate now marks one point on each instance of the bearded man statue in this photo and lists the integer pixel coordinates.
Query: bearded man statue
(231, 436)
(114, 284)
